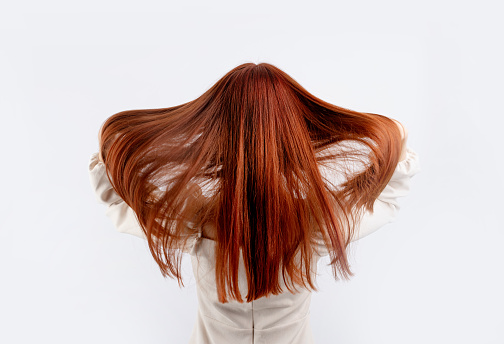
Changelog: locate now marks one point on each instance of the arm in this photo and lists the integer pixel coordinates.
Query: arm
(386, 205)
(122, 216)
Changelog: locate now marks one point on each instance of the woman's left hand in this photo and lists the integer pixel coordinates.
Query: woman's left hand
(100, 145)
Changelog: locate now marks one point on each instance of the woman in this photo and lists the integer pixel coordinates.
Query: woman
(256, 179)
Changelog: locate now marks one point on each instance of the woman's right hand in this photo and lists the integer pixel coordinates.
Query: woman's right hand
(404, 138)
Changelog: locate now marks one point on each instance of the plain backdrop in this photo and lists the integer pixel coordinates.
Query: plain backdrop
(435, 275)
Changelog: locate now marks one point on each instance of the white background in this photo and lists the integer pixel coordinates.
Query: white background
(435, 275)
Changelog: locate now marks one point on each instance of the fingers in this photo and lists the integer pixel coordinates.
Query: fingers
(402, 129)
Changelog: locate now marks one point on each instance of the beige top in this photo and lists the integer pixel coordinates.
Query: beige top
(279, 319)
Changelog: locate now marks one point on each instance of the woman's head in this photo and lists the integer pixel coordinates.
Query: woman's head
(246, 156)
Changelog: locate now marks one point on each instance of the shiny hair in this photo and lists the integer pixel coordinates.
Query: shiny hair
(254, 141)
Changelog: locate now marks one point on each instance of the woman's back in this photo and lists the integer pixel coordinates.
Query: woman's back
(282, 318)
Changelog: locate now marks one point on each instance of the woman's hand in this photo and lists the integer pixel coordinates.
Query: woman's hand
(99, 145)
(404, 138)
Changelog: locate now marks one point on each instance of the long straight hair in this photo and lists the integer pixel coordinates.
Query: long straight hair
(253, 142)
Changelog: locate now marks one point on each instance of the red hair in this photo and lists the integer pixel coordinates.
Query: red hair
(253, 140)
